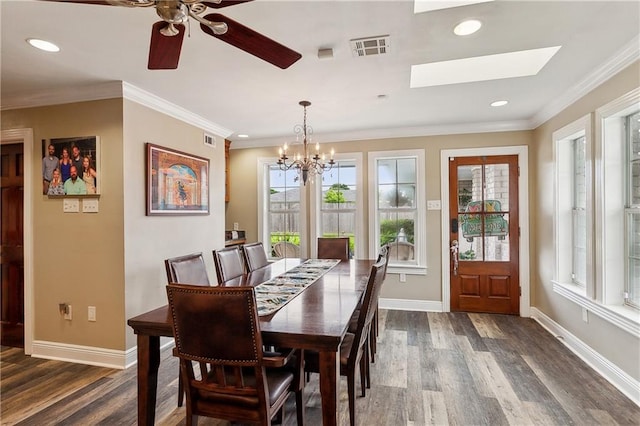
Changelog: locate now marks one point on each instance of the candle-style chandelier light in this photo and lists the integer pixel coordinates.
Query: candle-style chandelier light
(306, 165)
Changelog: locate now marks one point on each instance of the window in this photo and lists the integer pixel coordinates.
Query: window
(398, 206)
(280, 205)
(337, 206)
(612, 233)
(572, 150)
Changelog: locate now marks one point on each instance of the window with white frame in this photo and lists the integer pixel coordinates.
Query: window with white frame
(398, 209)
(572, 150)
(280, 204)
(618, 209)
(337, 207)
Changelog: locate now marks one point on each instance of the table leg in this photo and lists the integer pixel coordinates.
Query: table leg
(329, 385)
(148, 363)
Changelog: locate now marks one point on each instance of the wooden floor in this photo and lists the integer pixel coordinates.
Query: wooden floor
(431, 368)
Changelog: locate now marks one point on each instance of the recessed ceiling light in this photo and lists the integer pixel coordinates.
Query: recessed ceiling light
(499, 103)
(47, 46)
(243, 136)
(467, 27)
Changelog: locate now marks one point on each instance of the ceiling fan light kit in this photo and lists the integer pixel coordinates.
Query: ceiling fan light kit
(167, 35)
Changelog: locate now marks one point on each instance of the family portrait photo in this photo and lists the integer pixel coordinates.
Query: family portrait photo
(69, 166)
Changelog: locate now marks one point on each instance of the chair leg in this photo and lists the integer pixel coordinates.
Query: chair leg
(363, 373)
(180, 390)
(372, 344)
(300, 407)
(351, 385)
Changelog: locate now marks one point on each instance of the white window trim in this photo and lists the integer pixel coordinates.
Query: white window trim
(523, 211)
(263, 205)
(420, 237)
(561, 225)
(316, 203)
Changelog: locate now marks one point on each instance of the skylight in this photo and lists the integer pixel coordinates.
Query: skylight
(420, 6)
(482, 68)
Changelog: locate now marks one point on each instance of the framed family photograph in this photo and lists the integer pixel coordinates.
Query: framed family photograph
(177, 182)
(70, 166)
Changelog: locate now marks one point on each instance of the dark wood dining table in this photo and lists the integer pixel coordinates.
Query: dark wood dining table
(316, 319)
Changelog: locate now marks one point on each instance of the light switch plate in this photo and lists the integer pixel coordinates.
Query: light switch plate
(90, 205)
(433, 205)
(71, 205)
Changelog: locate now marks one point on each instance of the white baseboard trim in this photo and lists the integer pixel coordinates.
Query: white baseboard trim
(79, 354)
(89, 355)
(618, 378)
(411, 305)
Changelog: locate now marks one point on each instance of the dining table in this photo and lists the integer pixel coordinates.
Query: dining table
(316, 319)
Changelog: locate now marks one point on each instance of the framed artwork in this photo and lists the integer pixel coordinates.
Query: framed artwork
(177, 182)
(61, 157)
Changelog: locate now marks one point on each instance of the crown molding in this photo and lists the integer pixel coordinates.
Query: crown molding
(65, 95)
(109, 90)
(619, 61)
(404, 132)
(154, 102)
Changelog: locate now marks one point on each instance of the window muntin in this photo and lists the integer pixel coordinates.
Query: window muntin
(578, 212)
(632, 210)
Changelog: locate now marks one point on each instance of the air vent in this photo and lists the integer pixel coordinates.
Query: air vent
(368, 46)
(210, 140)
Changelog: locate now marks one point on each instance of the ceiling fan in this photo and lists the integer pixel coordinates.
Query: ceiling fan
(167, 35)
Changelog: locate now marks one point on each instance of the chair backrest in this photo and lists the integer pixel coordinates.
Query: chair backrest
(189, 269)
(229, 263)
(218, 328)
(286, 249)
(385, 254)
(254, 256)
(401, 250)
(368, 307)
(333, 248)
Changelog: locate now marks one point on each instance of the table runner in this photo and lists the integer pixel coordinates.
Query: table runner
(274, 294)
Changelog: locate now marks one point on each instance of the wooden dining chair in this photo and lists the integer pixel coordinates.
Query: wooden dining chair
(188, 269)
(254, 256)
(333, 248)
(354, 347)
(219, 346)
(228, 262)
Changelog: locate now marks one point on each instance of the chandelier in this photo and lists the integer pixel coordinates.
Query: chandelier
(306, 165)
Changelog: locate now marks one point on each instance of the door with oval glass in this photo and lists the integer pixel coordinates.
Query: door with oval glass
(484, 234)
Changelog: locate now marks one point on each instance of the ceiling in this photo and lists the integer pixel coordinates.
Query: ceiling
(352, 97)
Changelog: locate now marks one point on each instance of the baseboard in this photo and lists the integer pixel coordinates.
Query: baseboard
(411, 305)
(79, 354)
(89, 355)
(614, 375)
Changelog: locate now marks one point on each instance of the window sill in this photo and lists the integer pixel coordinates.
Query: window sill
(407, 269)
(624, 317)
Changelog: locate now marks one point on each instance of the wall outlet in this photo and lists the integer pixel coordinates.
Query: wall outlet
(71, 205)
(68, 314)
(403, 278)
(90, 205)
(585, 315)
(91, 313)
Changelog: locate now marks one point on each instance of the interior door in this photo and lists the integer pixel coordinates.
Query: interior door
(11, 254)
(484, 234)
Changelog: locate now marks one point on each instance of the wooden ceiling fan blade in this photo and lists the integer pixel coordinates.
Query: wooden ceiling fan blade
(252, 42)
(164, 51)
(224, 3)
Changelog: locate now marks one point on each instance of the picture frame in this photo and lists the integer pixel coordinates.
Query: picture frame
(177, 182)
(64, 152)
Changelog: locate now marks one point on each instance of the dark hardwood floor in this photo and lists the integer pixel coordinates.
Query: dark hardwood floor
(431, 368)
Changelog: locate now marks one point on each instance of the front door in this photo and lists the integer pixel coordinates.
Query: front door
(484, 234)
(11, 254)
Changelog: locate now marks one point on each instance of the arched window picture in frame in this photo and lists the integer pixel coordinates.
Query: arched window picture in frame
(71, 166)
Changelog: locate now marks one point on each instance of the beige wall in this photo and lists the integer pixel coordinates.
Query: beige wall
(242, 207)
(148, 240)
(616, 345)
(112, 260)
(78, 256)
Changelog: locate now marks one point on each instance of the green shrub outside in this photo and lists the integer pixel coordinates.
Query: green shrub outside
(389, 230)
